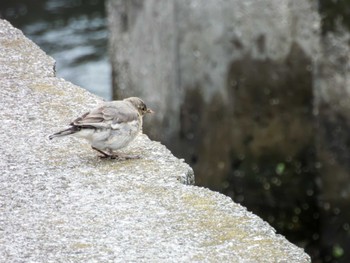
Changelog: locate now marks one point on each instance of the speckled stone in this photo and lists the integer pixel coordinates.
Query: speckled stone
(60, 203)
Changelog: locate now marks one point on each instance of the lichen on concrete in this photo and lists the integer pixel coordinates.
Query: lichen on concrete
(60, 203)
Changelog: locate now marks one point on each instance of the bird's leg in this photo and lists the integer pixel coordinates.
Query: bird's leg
(105, 155)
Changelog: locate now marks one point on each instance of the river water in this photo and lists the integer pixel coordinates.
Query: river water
(73, 32)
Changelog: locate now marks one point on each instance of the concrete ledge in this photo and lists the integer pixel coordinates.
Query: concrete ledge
(60, 203)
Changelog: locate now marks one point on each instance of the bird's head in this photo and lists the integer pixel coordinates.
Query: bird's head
(139, 105)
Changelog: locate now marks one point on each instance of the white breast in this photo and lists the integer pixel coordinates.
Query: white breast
(116, 137)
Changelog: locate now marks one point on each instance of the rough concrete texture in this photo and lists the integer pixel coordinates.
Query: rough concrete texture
(60, 203)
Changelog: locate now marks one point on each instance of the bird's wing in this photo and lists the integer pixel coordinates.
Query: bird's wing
(107, 115)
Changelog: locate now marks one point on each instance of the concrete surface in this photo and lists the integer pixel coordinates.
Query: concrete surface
(60, 203)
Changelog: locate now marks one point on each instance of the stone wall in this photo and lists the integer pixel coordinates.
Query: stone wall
(211, 68)
(332, 109)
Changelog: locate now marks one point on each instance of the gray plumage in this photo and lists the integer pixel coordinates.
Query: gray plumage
(109, 127)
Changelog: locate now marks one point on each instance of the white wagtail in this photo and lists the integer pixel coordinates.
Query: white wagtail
(109, 127)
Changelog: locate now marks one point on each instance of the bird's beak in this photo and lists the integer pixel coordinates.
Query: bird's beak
(149, 111)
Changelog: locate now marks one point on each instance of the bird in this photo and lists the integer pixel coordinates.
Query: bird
(110, 126)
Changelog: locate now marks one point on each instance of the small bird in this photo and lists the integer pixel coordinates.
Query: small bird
(109, 127)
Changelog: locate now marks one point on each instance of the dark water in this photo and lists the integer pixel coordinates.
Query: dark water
(74, 33)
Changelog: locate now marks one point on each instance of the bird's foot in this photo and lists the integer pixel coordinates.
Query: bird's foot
(115, 156)
(105, 156)
(123, 157)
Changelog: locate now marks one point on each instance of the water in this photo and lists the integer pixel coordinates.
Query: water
(73, 32)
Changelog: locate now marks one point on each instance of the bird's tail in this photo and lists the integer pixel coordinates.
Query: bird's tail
(70, 130)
